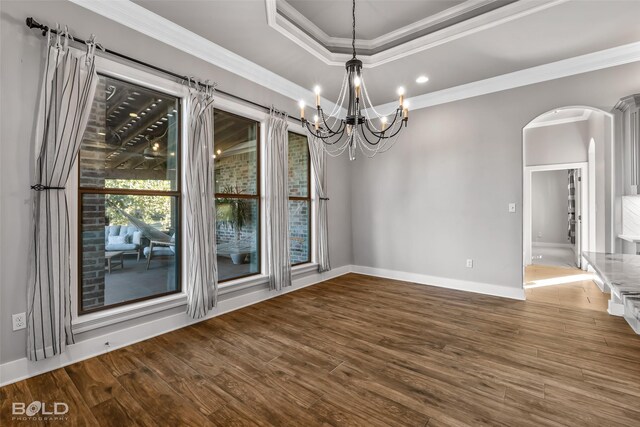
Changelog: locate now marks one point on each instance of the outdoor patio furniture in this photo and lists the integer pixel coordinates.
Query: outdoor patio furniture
(160, 248)
(237, 250)
(124, 238)
(108, 256)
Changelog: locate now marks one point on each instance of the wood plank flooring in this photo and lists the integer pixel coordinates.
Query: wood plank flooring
(362, 351)
(577, 294)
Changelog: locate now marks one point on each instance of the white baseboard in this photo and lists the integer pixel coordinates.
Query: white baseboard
(20, 369)
(443, 282)
(552, 245)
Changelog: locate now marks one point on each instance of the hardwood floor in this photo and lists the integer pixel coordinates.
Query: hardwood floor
(362, 351)
(558, 288)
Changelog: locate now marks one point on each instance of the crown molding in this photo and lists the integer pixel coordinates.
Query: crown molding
(586, 114)
(144, 21)
(307, 35)
(607, 58)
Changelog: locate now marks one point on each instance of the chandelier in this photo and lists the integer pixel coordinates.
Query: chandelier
(354, 123)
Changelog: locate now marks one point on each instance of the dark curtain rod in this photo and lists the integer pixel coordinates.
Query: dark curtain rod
(33, 24)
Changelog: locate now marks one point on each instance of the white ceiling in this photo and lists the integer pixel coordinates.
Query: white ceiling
(565, 30)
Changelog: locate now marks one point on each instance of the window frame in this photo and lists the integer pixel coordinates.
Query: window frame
(176, 194)
(308, 198)
(95, 321)
(257, 196)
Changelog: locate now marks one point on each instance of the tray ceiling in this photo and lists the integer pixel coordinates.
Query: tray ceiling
(236, 36)
(381, 24)
(388, 30)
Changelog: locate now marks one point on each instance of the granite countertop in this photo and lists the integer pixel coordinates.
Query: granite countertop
(620, 270)
(629, 238)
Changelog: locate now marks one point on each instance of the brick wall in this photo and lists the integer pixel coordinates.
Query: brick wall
(238, 171)
(92, 173)
(298, 160)
(298, 210)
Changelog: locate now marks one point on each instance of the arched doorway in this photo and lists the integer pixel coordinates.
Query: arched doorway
(576, 141)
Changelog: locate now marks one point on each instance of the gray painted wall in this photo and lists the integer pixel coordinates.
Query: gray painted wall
(563, 143)
(549, 198)
(21, 53)
(441, 194)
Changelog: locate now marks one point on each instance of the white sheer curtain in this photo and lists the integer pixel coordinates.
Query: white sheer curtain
(202, 269)
(318, 160)
(68, 88)
(277, 201)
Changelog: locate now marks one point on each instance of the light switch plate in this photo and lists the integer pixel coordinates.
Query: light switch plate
(512, 207)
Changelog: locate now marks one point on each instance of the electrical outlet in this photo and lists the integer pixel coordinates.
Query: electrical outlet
(469, 263)
(512, 207)
(19, 321)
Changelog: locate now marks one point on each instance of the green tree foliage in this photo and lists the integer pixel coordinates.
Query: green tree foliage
(154, 210)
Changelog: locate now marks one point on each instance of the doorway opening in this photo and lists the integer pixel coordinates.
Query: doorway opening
(557, 209)
(565, 202)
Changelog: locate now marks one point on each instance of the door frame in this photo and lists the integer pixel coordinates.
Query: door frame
(586, 243)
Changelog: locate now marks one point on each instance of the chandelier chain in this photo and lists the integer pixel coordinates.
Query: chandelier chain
(353, 39)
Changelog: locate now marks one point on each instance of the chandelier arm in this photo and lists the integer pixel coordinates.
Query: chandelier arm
(364, 135)
(377, 132)
(399, 128)
(311, 131)
(326, 140)
(329, 129)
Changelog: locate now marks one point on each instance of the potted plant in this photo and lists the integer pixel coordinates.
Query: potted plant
(236, 213)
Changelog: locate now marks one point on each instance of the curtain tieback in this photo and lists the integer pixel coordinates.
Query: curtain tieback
(324, 198)
(41, 187)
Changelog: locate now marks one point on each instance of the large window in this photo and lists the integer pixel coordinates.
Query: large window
(237, 186)
(129, 197)
(299, 200)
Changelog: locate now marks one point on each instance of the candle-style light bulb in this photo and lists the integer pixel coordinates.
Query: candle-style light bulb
(301, 105)
(357, 82)
(384, 123)
(405, 110)
(401, 95)
(316, 120)
(317, 91)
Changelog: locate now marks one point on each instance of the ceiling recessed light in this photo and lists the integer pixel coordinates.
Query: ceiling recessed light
(133, 115)
(422, 79)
